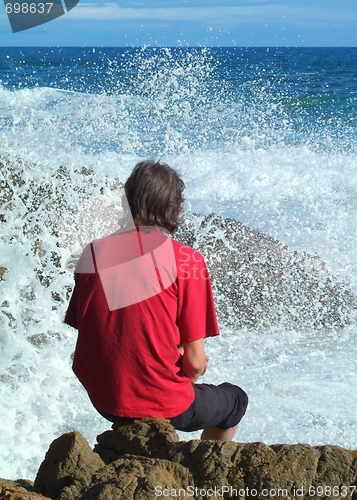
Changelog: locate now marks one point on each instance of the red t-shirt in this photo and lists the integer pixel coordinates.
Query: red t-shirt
(138, 296)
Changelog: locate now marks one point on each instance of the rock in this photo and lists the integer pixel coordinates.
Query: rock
(21, 489)
(209, 462)
(248, 467)
(294, 465)
(336, 462)
(143, 459)
(2, 272)
(144, 437)
(69, 462)
(141, 478)
(259, 283)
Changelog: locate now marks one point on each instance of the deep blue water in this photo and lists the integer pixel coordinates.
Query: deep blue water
(305, 92)
(313, 76)
(301, 72)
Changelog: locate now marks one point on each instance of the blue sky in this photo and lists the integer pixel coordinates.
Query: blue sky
(272, 23)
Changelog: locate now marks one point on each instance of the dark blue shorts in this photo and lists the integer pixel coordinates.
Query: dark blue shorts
(220, 406)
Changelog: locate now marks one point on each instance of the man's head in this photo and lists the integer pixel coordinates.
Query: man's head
(154, 193)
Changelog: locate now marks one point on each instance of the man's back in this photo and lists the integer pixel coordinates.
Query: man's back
(127, 356)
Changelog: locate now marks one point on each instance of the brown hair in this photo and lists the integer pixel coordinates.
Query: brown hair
(154, 193)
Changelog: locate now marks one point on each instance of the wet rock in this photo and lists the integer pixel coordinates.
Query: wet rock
(259, 283)
(2, 272)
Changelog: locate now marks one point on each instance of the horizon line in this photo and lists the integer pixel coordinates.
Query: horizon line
(148, 46)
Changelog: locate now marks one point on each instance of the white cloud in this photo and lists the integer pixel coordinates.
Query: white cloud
(112, 11)
(249, 13)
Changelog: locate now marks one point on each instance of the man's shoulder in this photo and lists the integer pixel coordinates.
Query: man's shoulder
(179, 245)
(186, 252)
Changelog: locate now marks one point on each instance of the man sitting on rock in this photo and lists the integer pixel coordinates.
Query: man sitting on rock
(143, 305)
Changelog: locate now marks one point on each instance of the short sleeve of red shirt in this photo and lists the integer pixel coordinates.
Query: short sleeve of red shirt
(196, 314)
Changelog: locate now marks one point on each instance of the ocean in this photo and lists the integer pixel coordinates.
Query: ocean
(266, 136)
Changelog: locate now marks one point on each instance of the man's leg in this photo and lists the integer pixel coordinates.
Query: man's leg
(222, 405)
(219, 434)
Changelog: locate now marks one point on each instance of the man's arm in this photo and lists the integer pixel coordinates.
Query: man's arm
(194, 359)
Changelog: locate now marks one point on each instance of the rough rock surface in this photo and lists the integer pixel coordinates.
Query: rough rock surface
(18, 490)
(69, 466)
(137, 477)
(138, 437)
(143, 460)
